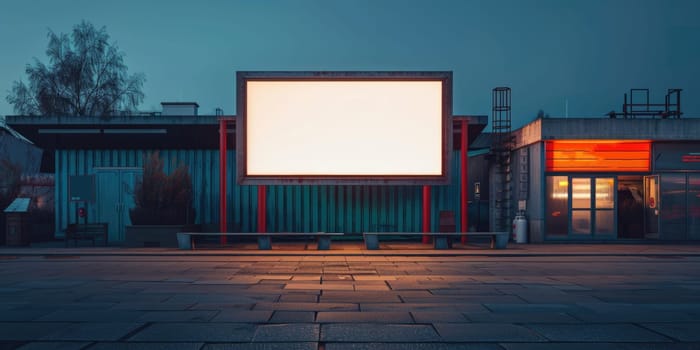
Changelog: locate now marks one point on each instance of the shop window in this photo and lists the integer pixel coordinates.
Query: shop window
(589, 211)
(604, 221)
(673, 206)
(581, 193)
(557, 206)
(581, 222)
(694, 206)
(604, 195)
(605, 205)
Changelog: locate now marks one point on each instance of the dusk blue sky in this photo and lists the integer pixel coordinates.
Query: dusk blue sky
(586, 52)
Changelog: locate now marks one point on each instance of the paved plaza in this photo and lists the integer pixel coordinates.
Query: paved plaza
(534, 297)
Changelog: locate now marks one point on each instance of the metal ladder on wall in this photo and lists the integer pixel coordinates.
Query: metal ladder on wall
(501, 149)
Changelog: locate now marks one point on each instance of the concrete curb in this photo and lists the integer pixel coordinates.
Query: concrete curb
(547, 251)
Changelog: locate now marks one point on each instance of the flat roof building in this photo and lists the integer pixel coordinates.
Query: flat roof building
(113, 150)
(597, 179)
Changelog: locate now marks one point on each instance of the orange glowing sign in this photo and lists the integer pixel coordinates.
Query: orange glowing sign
(598, 156)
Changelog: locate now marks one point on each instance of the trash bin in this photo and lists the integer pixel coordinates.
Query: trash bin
(16, 226)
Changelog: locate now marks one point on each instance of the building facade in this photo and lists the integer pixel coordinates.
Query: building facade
(113, 151)
(593, 179)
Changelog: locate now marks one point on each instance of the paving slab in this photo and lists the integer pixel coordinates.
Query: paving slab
(307, 306)
(11, 344)
(523, 307)
(371, 287)
(22, 315)
(464, 299)
(298, 332)
(166, 306)
(486, 332)
(600, 346)
(30, 330)
(293, 316)
(660, 346)
(299, 297)
(359, 297)
(195, 332)
(383, 277)
(336, 277)
(410, 346)
(597, 333)
(210, 298)
(521, 317)
(377, 333)
(549, 297)
(337, 285)
(563, 346)
(178, 316)
(363, 317)
(221, 307)
(422, 307)
(94, 331)
(303, 285)
(439, 317)
(637, 316)
(121, 296)
(49, 284)
(91, 316)
(53, 346)
(262, 346)
(147, 346)
(687, 332)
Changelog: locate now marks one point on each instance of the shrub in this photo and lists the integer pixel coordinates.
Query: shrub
(10, 174)
(165, 198)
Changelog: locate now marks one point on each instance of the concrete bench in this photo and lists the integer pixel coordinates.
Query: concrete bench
(185, 240)
(499, 240)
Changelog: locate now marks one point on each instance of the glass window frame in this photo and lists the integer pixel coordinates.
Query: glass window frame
(594, 235)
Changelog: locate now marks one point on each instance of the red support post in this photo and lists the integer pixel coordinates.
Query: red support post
(223, 128)
(426, 213)
(262, 208)
(464, 208)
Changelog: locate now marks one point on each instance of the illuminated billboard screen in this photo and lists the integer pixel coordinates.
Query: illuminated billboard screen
(343, 127)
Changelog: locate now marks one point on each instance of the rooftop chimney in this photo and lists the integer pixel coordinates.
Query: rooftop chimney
(180, 108)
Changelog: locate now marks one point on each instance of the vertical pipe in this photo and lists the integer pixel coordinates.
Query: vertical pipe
(426, 213)
(222, 178)
(262, 208)
(464, 213)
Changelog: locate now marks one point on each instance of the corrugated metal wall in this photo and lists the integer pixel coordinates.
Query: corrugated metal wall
(289, 208)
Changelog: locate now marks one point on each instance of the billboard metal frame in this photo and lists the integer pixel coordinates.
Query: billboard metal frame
(242, 176)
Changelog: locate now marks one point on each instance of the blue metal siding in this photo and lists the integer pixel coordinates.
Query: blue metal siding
(343, 208)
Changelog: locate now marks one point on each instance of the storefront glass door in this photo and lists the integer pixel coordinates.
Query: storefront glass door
(590, 207)
(651, 207)
(581, 203)
(604, 206)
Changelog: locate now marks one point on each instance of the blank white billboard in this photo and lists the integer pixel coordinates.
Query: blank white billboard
(332, 129)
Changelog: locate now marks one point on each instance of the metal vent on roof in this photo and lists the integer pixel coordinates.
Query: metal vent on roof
(180, 108)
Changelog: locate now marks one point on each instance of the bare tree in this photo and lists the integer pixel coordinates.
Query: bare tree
(86, 76)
